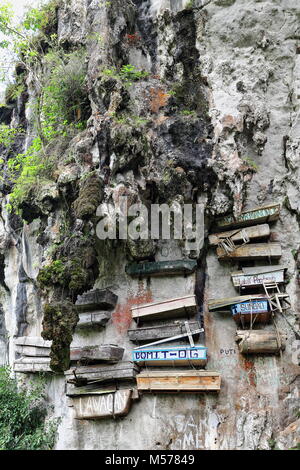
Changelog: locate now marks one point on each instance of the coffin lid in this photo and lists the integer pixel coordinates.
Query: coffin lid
(214, 304)
(259, 270)
(137, 307)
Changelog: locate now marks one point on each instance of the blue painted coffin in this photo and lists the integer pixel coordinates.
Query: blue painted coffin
(196, 355)
(251, 310)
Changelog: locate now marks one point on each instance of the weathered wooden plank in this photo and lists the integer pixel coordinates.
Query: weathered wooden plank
(164, 331)
(252, 251)
(106, 353)
(32, 365)
(98, 299)
(32, 341)
(33, 351)
(259, 342)
(90, 319)
(252, 277)
(258, 215)
(254, 232)
(168, 308)
(178, 356)
(125, 370)
(104, 406)
(162, 268)
(89, 389)
(224, 305)
(193, 380)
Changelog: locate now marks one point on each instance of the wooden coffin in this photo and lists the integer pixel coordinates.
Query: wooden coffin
(178, 381)
(224, 305)
(32, 365)
(104, 353)
(122, 371)
(251, 311)
(97, 388)
(98, 299)
(253, 277)
(107, 405)
(153, 333)
(258, 215)
(259, 342)
(166, 309)
(90, 319)
(252, 251)
(162, 268)
(237, 236)
(32, 346)
(177, 356)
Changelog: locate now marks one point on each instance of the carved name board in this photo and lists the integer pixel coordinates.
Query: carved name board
(251, 277)
(103, 406)
(161, 268)
(182, 306)
(168, 356)
(254, 311)
(258, 215)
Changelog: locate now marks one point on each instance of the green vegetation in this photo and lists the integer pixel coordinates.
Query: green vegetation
(8, 135)
(187, 112)
(22, 416)
(128, 74)
(250, 163)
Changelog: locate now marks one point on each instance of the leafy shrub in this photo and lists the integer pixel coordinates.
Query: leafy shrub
(22, 416)
(127, 73)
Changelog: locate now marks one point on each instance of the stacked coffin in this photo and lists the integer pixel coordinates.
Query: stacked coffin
(167, 324)
(33, 354)
(260, 285)
(95, 307)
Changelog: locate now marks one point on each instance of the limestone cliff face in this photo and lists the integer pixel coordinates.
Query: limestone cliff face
(216, 121)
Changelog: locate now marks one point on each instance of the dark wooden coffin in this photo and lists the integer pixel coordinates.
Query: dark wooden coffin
(162, 268)
(82, 375)
(98, 299)
(141, 334)
(259, 341)
(103, 353)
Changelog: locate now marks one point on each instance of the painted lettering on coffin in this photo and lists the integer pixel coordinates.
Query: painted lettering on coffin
(170, 354)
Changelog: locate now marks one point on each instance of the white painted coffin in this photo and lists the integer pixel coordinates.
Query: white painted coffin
(252, 277)
(107, 405)
(182, 306)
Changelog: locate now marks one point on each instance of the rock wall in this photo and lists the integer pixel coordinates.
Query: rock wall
(216, 121)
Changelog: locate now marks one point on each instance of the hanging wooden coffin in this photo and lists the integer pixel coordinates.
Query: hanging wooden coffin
(166, 309)
(32, 365)
(224, 305)
(98, 299)
(32, 346)
(178, 381)
(257, 215)
(90, 319)
(253, 311)
(153, 333)
(252, 251)
(181, 356)
(259, 342)
(162, 268)
(104, 373)
(104, 353)
(238, 235)
(253, 277)
(107, 405)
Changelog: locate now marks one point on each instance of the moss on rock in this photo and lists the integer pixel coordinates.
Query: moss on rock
(90, 196)
(59, 323)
